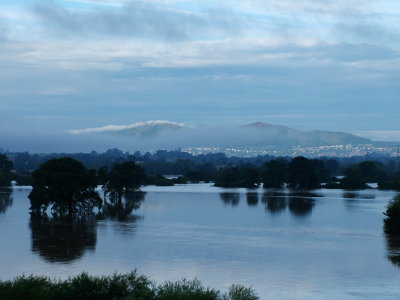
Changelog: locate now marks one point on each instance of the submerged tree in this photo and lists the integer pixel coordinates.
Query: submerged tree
(353, 179)
(303, 173)
(245, 176)
(66, 186)
(276, 173)
(392, 213)
(124, 177)
(5, 170)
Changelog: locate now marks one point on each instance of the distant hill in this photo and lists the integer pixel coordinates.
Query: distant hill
(267, 137)
(279, 135)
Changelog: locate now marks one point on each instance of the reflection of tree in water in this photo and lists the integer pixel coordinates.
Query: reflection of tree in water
(307, 194)
(230, 198)
(252, 198)
(350, 195)
(351, 199)
(367, 196)
(62, 240)
(301, 206)
(6, 201)
(122, 210)
(274, 201)
(393, 249)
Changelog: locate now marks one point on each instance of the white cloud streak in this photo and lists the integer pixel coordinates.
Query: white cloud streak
(141, 128)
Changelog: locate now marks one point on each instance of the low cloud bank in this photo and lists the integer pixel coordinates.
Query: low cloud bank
(142, 129)
(171, 134)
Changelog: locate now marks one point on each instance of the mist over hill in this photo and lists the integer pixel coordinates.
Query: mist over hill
(171, 134)
(247, 139)
(286, 136)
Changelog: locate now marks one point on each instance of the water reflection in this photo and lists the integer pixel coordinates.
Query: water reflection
(393, 249)
(353, 199)
(252, 198)
(230, 198)
(122, 210)
(367, 196)
(301, 206)
(6, 201)
(275, 202)
(307, 194)
(350, 195)
(62, 240)
(355, 195)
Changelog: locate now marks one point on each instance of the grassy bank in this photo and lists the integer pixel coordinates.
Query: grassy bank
(130, 286)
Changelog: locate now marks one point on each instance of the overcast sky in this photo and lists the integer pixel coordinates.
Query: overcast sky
(308, 64)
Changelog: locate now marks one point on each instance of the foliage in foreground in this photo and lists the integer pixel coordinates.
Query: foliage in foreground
(392, 213)
(130, 286)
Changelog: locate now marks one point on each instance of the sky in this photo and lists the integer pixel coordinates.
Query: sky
(307, 64)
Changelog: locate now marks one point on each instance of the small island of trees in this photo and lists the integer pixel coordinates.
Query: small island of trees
(68, 188)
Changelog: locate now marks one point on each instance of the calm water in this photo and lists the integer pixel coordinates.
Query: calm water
(320, 245)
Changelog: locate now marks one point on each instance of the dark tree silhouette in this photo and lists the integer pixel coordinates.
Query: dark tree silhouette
(303, 174)
(65, 185)
(392, 183)
(372, 171)
(353, 180)
(332, 166)
(275, 175)
(245, 176)
(124, 177)
(5, 170)
(392, 213)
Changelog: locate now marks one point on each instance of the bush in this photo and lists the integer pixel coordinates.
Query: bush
(240, 292)
(79, 287)
(392, 213)
(184, 289)
(118, 286)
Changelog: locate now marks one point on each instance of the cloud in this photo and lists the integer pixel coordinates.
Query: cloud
(143, 129)
(139, 20)
(367, 32)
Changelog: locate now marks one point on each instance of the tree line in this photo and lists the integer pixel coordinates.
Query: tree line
(298, 172)
(176, 162)
(68, 188)
(304, 173)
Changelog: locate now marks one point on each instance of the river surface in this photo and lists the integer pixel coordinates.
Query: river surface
(325, 244)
